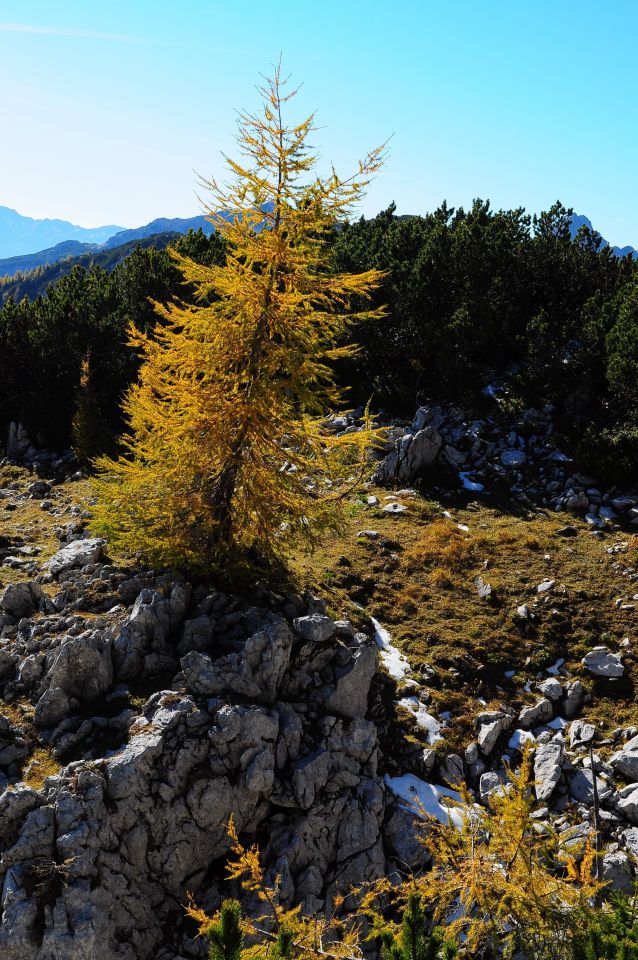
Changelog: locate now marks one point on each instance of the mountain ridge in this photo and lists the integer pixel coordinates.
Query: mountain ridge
(83, 240)
(580, 220)
(20, 235)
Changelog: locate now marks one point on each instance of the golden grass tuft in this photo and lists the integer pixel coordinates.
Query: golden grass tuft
(38, 767)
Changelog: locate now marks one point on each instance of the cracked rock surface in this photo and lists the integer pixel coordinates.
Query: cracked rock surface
(259, 713)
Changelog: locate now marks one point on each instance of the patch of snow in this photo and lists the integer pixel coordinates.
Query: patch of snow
(468, 484)
(424, 719)
(426, 798)
(555, 671)
(395, 662)
(557, 724)
(464, 527)
(545, 586)
(509, 674)
(520, 737)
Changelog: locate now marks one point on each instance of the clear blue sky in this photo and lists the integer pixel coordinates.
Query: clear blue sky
(108, 108)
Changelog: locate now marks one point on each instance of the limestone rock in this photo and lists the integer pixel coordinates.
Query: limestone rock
(601, 663)
(490, 727)
(625, 761)
(315, 628)
(574, 698)
(21, 599)
(78, 553)
(255, 670)
(547, 768)
(617, 872)
(536, 715)
(146, 631)
(349, 697)
(82, 666)
(402, 836)
(51, 708)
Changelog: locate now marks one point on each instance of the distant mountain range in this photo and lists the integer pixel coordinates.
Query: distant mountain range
(19, 235)
(161, 225)
(578, 221)
(33, 278)
(26, 244)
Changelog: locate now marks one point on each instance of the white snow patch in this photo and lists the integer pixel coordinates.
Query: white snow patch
(395, 662)
(520, 737)
(468, 484)
(557, 724)
(464, 527)
(424, 797)
(555, 671)
(424, 719)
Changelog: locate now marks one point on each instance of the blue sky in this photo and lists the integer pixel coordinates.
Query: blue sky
(108, 109)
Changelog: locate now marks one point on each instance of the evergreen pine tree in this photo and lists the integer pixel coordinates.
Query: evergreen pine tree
(225, 936)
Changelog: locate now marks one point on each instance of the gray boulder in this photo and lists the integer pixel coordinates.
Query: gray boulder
(144, 637)
(79, 553)
(255, 671)
(625, 761)
(581, 733)
(488, 783)
(547, 768)
(581, 787)
(315, 628)
(349, 697)
(52, 707)
(402, 834)
(21, 599)
(617, 872)
(628, 803)
(552, 689)
(574, 699)
(82, 667)
(601, 663)
(411, 455)
(536, 715)
(490, 726)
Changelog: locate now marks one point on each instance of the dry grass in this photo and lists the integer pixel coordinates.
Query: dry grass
(29, 524)
(418, 579)
(38, 767)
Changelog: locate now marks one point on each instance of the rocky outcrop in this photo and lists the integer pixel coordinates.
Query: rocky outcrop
(495, 451)
(263, 719)
(415, 450)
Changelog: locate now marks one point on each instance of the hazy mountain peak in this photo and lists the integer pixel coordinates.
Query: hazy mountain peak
(580, 220)
(21, 235)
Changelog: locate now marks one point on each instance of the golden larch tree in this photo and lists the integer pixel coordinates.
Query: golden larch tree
(227, 449)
